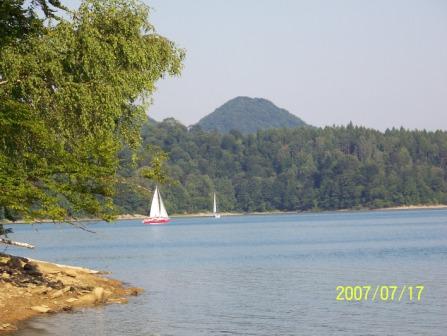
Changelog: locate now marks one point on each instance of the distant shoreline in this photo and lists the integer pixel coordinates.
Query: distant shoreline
(265, 213)
(415, 207)
(403, 207)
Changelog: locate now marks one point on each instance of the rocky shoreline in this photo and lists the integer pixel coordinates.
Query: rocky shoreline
(30, 287)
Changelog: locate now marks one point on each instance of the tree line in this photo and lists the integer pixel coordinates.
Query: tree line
(306, 168)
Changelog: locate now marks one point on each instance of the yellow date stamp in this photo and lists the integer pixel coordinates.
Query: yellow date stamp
(384, 293)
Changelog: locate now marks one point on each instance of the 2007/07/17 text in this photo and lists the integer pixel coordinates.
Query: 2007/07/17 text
(379, 293)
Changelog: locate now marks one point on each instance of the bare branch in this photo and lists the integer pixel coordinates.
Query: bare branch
(80, 226)
(6, 81)
(15, 243)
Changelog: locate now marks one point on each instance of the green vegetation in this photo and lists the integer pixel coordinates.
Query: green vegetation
(248, 115)
(72, 95)
(296, 169)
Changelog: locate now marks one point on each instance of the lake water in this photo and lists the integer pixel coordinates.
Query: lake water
(255, 275)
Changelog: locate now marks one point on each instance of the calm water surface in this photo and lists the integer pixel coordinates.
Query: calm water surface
(255, 275)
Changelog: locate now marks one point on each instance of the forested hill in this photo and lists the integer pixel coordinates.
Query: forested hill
(292, 169)
(248, 115)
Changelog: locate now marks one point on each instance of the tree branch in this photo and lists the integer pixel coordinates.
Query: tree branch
(6, 81)
(79, 226)
(15, 243)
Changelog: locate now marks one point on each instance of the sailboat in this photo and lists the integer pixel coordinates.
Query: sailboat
(216, 214)
(158, 214)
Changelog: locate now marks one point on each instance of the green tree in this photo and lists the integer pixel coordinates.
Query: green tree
(71, 97)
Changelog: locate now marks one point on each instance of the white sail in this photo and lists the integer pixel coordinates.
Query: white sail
(163, 212)
(216, 215)
(214, 205)
(155, 205)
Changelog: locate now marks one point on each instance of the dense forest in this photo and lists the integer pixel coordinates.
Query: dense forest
(298, 169)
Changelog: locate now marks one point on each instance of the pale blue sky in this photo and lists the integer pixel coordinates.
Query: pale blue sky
(379, 63)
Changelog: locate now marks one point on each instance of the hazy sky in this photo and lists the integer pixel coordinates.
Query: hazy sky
(380, 63)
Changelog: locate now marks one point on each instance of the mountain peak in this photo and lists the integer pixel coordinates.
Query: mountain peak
(248, 115)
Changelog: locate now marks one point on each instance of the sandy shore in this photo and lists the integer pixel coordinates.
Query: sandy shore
(403, 207)
(277, 212)
(30, 287)
(416, 207)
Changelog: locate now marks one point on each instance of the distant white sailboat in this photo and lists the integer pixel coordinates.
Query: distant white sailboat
(216, 214)
(158, 214)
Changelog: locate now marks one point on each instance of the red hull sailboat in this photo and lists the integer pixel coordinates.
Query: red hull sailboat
(158, 214)
(156, 221)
